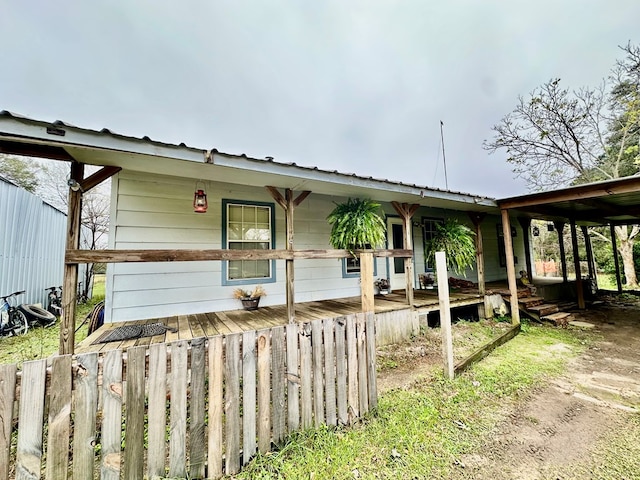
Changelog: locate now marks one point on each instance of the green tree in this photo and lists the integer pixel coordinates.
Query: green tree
(561, 137)
(21, 171)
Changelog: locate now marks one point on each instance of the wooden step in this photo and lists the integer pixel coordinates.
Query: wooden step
(522, 293)
(530, 301)
(544, 309)
(559, 318)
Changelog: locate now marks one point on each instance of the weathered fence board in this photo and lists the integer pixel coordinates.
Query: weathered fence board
(112, 415)
(371, 361)
(341, 370)
(306, 399)
(279, 384)
(232, 404)
(249, 405)
(59, 419)
(29, 450)
(317, 367)
(329, 371)
(178, 410)
(7, 397)
(157, 451)
(293, 379)
(196, 409)
(86, 380)
(216, 374)
(264, 391)
(197, 446)
(134, 418)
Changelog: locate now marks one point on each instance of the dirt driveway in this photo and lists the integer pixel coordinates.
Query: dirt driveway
(569, 429)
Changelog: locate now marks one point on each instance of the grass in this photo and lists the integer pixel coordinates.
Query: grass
(43, 342)
(423, 431)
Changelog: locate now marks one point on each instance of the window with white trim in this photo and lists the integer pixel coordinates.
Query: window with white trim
(248, 226)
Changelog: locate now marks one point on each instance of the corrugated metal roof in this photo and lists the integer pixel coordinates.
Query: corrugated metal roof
(268, 159)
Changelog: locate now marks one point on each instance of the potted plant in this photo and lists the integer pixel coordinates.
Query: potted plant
(357, 224)
(426, 280)
(457, 242)
(383, 285)
(250, 299)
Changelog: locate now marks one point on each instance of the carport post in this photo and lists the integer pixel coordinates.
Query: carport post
(563, 256)
(511, 268)
(576, 263)
(525, 223)
(615, 256)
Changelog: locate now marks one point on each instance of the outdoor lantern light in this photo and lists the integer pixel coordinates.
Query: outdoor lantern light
(549, 227)
(536, 231)
(200, 199)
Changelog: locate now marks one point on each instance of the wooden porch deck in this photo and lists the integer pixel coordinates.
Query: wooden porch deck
(233, 321)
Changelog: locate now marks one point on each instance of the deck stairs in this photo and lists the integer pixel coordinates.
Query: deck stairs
(539, 310)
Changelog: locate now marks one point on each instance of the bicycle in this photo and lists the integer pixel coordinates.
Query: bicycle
(54, 298)
(13, 321)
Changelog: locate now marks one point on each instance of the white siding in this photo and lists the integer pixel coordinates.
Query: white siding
(156, 212)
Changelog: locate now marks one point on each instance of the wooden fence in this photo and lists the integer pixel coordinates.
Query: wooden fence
(199, 409)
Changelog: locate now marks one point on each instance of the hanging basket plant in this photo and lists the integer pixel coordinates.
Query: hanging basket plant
(457, 242)
(357, 224)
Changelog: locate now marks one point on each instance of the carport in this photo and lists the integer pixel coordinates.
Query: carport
(610, 203)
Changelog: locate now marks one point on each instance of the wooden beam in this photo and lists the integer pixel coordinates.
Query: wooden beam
(559, 226)
(406, 211)
(98, 177)
(288, 203)
(486, 349)
(289, 268)
(576, 263)
(366, 282)
(579, 192)
(75, 256)
(70, 282)
(511, 269)
(589, 247)
(476, 219)
(34, 150)
(525, 224)
(616, 261)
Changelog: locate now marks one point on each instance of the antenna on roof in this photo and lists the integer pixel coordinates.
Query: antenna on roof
(444, 159)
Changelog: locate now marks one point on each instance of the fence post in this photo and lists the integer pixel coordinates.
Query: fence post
(445, 313)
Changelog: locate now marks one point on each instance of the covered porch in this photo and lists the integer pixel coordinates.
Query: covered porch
(210, 324)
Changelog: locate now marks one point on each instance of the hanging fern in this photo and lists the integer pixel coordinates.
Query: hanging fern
(456, 241)
(356, 224)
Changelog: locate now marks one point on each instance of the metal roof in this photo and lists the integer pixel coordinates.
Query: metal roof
(58, 128)
(600, 203)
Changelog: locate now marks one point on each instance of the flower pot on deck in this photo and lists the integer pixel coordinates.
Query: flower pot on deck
(250, 303)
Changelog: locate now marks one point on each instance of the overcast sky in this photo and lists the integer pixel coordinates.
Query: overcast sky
(357, 86)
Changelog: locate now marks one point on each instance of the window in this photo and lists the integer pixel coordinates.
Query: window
(248, 226)
(428, 232)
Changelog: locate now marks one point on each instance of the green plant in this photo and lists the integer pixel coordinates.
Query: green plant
(356, 224)
(456, 241)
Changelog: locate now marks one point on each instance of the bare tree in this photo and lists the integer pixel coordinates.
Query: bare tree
(559, 137)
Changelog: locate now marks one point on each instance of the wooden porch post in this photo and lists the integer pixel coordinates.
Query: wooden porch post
(525, 223)
(616, 261)
(70, 282)
(511, 268)
(587, 243)
(563, 256)
(288, 204)
(576, 263)
(407, 211)
(366, 282)
(476, 218)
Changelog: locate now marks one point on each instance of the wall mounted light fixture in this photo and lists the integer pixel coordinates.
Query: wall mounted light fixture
(200, 204)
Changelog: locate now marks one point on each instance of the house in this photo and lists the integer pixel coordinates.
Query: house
(260, 207)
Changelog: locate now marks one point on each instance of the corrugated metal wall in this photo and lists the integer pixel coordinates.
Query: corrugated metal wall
(32, 239)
